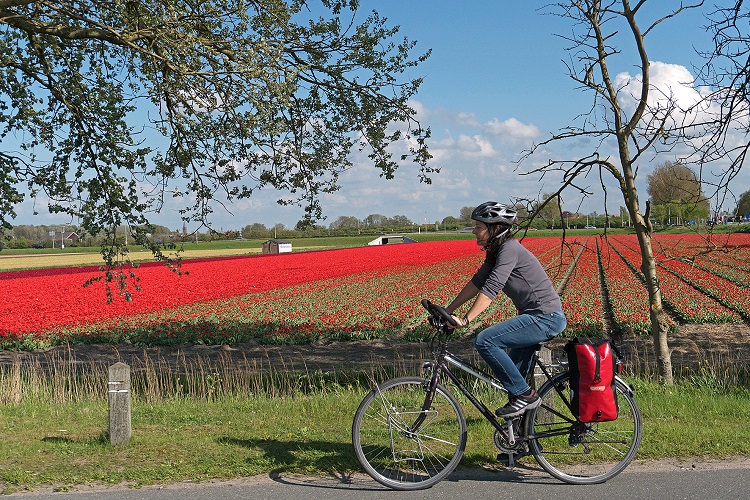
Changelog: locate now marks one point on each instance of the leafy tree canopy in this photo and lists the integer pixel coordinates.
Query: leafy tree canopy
(376, 220)
(109, 108)
(255, 230)
(743, 204)
(675, 190)
(345, 222)
(674, 183)
(549, 207)
(451, 222)
(400, 220)
(466, 215)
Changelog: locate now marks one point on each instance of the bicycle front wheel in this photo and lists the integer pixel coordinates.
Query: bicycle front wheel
(401, 443)
(582, 453)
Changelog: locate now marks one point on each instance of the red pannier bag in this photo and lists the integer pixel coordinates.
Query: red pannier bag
(593, 366)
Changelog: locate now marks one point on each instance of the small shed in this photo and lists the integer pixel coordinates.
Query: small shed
(277, 246)
(386, 240)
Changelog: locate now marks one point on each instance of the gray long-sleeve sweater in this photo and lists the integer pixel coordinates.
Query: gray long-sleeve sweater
(520, 276)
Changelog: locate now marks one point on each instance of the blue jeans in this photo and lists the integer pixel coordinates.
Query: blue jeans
(520, 335)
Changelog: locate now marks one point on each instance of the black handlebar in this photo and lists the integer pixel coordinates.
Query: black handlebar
(439, 312)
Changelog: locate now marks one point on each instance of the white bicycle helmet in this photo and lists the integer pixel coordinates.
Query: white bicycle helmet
(492, 212)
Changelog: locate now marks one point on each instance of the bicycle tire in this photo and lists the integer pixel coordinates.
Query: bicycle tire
(394, 455)
(579, 453)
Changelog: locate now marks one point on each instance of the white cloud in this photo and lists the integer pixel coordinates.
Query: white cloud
(476, 162)
(511, 129)
(475, 146)
(674, 86)
(422, 113)
(671, 86)
(466, 120)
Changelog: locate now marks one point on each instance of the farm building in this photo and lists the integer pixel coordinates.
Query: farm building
(386, 240)
(64, 236)
(277, 246)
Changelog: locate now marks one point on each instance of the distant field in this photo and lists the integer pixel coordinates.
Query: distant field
(89, 258)
(13, 260)
(23, 259)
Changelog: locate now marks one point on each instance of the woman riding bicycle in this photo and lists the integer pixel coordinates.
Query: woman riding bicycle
(512, 269)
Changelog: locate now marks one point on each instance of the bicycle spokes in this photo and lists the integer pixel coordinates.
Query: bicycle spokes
(583, 453)
(403, 445)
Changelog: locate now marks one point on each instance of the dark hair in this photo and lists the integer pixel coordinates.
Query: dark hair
(496, 241)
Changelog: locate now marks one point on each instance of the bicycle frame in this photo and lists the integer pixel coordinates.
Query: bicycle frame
(444, 362)
(442, 365)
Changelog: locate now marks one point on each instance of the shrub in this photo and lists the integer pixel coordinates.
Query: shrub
(19, 243)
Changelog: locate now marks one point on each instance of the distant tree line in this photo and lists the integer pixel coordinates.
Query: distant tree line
(51, 236)
(674, 190)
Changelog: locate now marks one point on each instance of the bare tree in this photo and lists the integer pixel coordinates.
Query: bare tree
(723, 136)
(624, 116)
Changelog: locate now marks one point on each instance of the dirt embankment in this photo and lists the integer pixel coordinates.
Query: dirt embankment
(719, 345)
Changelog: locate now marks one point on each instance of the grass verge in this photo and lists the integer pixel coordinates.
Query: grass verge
(282, 423)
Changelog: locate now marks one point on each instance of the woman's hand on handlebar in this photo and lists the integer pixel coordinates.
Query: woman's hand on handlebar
(460, 322)
(440, 316)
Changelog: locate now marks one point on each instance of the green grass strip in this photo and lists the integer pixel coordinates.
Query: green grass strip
(180, 439)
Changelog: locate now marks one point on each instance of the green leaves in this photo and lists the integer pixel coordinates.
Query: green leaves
(113, 106)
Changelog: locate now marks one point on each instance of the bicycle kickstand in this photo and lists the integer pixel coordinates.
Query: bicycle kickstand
(509, 458)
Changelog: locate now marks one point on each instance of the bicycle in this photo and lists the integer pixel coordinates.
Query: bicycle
(410, 433)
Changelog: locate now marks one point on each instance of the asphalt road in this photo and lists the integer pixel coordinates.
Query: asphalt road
(676, 483)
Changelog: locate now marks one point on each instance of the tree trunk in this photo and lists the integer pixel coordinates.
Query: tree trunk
(659, 324)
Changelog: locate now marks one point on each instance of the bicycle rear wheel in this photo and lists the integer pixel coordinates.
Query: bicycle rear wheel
(583, 453)
(392, 450)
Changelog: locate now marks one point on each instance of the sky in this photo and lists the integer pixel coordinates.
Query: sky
(495, 84)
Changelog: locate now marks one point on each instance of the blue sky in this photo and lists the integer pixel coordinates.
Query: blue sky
(495, 82)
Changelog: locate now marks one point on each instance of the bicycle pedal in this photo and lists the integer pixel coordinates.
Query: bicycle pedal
(509, 459)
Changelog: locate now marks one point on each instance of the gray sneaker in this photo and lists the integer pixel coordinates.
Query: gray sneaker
(518, 405)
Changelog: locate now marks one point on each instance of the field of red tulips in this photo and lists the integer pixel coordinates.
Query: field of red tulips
(369, 292)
